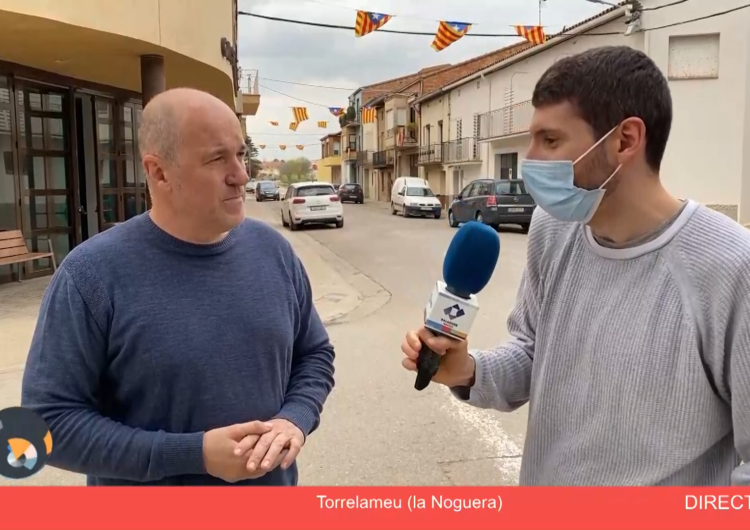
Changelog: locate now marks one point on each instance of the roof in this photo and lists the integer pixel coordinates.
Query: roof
(436, 81)
(332, 135)
(552, 40)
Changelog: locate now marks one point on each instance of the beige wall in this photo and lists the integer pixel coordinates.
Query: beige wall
(100, 40)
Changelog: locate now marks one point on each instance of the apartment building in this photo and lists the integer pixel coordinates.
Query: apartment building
(478, 126)
(74, 77)
(329, 166)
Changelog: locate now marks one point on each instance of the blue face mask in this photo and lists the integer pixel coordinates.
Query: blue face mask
(550, 182)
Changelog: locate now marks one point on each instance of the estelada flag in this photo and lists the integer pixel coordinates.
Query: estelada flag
(322, 124)
(367, 22)
(368, 115)
(533, 34)
(448, 33)
(282, 147)
(300, 147)
(293, 126)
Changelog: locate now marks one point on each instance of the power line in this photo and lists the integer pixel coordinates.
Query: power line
(287, 134)
(432, 34)
(323, 86)
(298, 99)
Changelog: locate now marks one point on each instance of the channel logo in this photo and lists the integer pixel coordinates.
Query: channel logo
(28, 442)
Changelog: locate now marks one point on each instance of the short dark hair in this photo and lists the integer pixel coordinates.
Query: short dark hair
(608, 85)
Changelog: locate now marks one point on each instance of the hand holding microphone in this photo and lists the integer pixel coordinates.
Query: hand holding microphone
(439, 349)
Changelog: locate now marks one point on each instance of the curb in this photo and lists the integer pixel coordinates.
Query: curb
(373, 296)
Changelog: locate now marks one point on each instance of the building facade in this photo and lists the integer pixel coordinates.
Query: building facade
(478, 126)
(329, 165)
(74, 78)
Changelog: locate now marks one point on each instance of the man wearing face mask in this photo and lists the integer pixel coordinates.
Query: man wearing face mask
(631, 330)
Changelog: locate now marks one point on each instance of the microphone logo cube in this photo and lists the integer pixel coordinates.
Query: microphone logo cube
(448, 314)
(453, 312)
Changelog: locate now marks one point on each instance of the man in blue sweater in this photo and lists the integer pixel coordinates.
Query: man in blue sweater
(154, 360)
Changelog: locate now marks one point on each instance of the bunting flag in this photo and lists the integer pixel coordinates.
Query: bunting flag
(293, 126)
(448, 33)
(261, 146)
(367, 22)
(369, 115)
(274, 123)
(300, 147)
(300, 114)
(336, 111)
(322, 124)
(282, 147)
(533, 34)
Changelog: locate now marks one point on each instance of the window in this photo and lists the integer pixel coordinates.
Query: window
(389, 124)
(475, 189)
(400, 116)
(315, 191)
(510, 187)
(693, 56)
(267, 185)
(336, 148)
(419, 192)
(459, 129)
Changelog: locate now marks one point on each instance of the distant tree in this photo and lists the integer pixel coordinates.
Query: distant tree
(295, 170)
(254, 163)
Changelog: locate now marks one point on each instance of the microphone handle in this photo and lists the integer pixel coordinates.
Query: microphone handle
(428, 363)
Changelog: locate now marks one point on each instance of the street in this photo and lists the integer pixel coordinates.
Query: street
(371, 280)
(376, 428)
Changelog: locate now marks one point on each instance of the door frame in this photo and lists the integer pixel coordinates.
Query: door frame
(22, 152)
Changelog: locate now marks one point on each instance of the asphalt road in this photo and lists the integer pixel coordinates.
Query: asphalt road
(376, 429)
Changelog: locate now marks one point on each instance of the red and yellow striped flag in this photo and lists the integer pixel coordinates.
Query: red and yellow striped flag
(322, 124)
(367, 22)
(300, 147)
(448, 33)
(293, 126)
(282, 147)
(261, 146)
(533, 34)
(300, 113)
(274, 123)
(369, 115)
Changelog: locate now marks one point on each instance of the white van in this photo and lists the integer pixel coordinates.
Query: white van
(412, 196)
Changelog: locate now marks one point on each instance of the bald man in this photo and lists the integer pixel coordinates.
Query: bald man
(154, 361)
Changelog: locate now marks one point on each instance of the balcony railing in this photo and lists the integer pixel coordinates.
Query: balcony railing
(464, 150)
(507, 121)
(248, 81)
(431, 154)
(364, 158)
(381, 159)
(350, 153)
(408, 138)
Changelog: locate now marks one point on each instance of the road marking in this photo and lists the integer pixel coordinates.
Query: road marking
(491, 433)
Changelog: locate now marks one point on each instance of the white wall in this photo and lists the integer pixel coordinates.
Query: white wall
(708, 155)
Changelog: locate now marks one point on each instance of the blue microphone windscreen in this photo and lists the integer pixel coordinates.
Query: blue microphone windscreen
(471, 258)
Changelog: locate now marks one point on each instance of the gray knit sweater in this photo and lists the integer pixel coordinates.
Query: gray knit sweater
(635, 362)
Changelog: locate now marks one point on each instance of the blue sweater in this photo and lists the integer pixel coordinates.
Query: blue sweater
(144, 342)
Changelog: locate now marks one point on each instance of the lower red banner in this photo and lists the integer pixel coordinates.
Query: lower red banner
(325, 508)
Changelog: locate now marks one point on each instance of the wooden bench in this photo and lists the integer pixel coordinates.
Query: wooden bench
(13, 251)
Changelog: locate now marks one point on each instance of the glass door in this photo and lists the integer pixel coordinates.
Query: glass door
(122, 182)
(47, 185)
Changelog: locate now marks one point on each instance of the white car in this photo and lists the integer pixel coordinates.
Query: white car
(311, 203)
(412, 197)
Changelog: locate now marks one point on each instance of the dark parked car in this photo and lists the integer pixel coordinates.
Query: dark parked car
(351, 193)
(266, 190)
(493, 202)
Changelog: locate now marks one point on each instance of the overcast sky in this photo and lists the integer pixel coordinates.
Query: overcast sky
(336, 58)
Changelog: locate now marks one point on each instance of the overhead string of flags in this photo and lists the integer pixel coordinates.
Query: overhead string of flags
(284, 146)
(447, 32)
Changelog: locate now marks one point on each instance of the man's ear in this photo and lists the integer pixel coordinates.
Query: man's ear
(154, 168)
(632, 139)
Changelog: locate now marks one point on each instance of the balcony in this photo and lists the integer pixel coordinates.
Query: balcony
(349, 154)
(382, 159)
(507, 121)
(250, 97)
(400, 137)
(430, 154)
(461, 151)
(364, 158)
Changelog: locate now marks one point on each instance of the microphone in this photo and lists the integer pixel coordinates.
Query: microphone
(467, 269)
